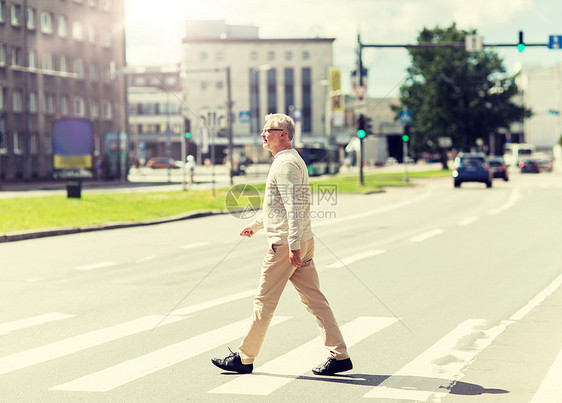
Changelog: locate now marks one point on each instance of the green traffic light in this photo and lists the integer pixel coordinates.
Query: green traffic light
(405, 138)
(187, 135)
(521, 47)
(361, 134)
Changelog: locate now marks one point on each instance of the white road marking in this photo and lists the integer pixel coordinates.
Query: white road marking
(145, 259)
(468, 220)
(9, 327)
(94, 266)
(536, 301)
(128, 371)
(34, 279)
(551, 388)
(354, 258)
(210, 304)
(433, 371)
(284, 369)
(509, 203)
(194, 245)
(84, 341)
(374, 212)
(426, 235)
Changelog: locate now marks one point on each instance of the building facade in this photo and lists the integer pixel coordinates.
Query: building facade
(58, 59)
(156, 112)
(287, 75)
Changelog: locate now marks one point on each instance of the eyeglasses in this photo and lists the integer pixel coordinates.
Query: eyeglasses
(272, 130)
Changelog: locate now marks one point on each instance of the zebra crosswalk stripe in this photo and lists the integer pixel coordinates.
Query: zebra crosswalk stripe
(291, 365)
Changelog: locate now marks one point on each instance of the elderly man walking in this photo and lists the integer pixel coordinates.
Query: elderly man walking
(285, 217)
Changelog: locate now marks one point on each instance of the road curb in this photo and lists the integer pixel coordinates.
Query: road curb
(48, 232)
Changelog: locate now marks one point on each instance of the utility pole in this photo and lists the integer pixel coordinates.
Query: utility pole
(229, 122)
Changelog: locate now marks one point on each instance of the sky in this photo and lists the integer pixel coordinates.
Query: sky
(154, 29)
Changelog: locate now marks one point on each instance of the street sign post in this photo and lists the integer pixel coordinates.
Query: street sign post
(555, 42)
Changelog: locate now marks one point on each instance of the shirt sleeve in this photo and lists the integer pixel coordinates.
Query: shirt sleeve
(257, 224)
(289, 180)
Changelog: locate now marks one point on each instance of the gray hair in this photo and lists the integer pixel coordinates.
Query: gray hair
(282, 121)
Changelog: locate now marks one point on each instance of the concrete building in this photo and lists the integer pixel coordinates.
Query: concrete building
(156, 112)
(287, 75)
(58, 58)
(541, 89)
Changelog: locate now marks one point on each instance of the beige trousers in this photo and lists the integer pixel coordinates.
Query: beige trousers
(277, 270)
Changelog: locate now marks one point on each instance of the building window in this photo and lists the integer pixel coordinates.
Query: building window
(78, 68)
(106, 78)
(64, 106)
(2, 102)
(30, 18)
(271, 55)
(219, 56)
(305, 55)
(306, 100)
(2, 8)
(92, 34)
(18, 143)
(220, 85)
(79, 107)
(33, 143)
(16, 15)
(254, 55)
(3, 141)
(94, 110)
(105, 38)
(204, 85)
(64, 65)
(47, 62)
(2, 54)
(77, 31)
(93, 72)
(289, 90)
(92, 3)
(203, 56)
(17, 59)
(107, 110)
(31, 59)
(32, 102)
(105, 5)
(288, 55)
(46, 22)
(254, 100)
(49, 104)
(271, 91)
(62, 26)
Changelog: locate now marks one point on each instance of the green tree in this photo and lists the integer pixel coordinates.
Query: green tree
(457, 94)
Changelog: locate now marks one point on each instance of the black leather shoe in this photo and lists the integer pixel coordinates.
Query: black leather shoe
(233, 363)
(333, 366)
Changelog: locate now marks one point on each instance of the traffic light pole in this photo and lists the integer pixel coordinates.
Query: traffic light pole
(404, 160)
(361, 156)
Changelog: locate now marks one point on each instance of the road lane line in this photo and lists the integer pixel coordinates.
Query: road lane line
(426, 235)
(210, 304)
(9, 327)
(509, 203)
(537, 299)
(131, 370)
(433, 371)
(469, 220)
(354, 258)
(145, 259)
(550, 389)
(194, 245)
(288, 367)
(374, 212)
(84, 341)
(94, 266)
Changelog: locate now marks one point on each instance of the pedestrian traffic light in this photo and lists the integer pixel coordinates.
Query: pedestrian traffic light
(406, 135)
(521, 43)
(367, 125)
(187, 128)
(361, 122)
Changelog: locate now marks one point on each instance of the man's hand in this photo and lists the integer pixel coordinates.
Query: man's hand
(247, 232)
(295, 257)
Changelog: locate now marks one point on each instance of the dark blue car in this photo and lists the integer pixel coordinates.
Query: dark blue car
(472, 167)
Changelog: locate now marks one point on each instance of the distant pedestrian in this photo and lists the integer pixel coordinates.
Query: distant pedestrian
(286, 219)
(190, 166)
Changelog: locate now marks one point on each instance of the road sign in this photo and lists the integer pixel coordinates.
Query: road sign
(473, 43)
(359, 91)
(405, 116)
(555, 42)
(244, 116)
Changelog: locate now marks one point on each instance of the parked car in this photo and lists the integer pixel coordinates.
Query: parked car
(162, 162)
(471, 167)
(544, 160)
(529, 166)
(498, 168)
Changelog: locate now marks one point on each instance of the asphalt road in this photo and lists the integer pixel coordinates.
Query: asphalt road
(443, 294)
